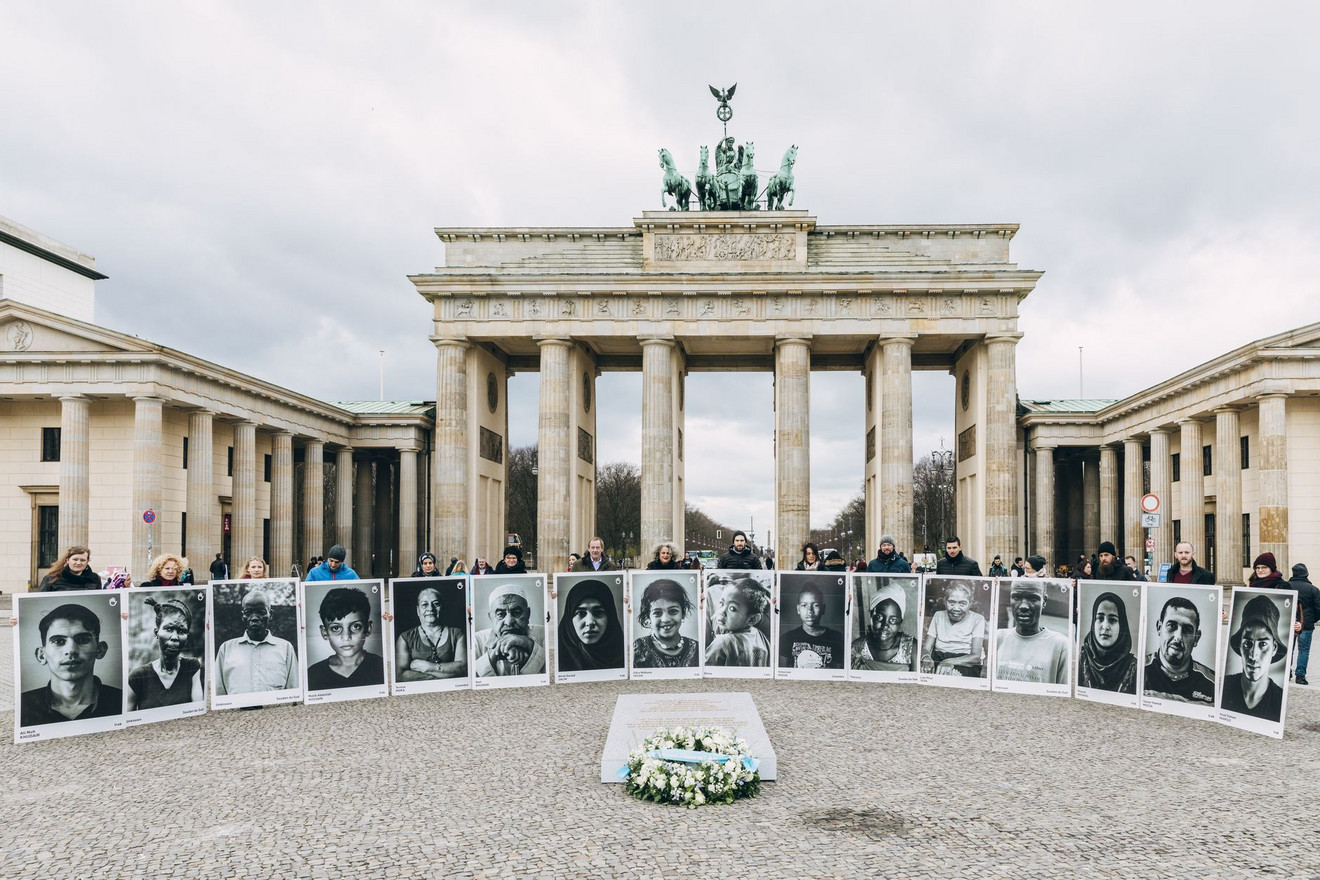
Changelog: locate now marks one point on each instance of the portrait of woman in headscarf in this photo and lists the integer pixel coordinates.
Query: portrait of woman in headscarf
(590, 632)
(1107, 662)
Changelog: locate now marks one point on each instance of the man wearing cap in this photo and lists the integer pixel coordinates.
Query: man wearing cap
(888, 560)
(1028, 651)
(1308, 612)
(740, 554)
(1252, 691)
(333, 569)
(1187, 571)
(513, 644)
(1171, 673)
(885, 646)
(1109, 567)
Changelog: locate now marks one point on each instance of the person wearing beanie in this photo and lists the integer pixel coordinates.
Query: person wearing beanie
(426, 567)
(1107, 565)
(740, 554)
(512, 563)
(1253, 691)
(1308, 612)
(1187, 571)
(1034, 567)
(1265, 574)
(888, 560)
(333, 569)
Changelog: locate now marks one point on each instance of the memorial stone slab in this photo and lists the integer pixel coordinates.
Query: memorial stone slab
(636, 716)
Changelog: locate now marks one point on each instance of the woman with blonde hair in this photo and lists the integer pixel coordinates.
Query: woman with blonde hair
(255, 569)
(166, 571)
(71, 572)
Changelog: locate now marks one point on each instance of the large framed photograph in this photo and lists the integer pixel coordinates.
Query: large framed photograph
(1033, 637)
(812, 619)
(590, 635)
(430, 635)
(165, 653)
(666, 628)
(1109, 627)
(254, 643)
(1254, 689)
(1181, 650)
(885, 628)
(955, 647)
(343, 646)
(737, 632)
(509, 618)
(68, 664)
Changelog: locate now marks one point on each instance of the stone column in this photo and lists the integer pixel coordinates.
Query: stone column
(75, 459)
(1193, 487)
(1001, 446)
(386, 521)
(147, 414)
(203, 509)
(1045, 506)
(896, 442)
(1161, 486)
(344, 500)
(408, 511)
(1228, 496)
(1273, 477)
(792, 445)
(281, 504)
(449, 460)
(554, 456)
(1134, 536)
(657, 441)
(314, 498)
(246, 541)
(1091, 536)
(364, 518)
(1109, 499)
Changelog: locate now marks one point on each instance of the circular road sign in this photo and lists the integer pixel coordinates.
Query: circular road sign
(1150, 503)
(148, 516)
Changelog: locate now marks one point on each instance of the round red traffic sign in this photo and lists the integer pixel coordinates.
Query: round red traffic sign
(148, 516)
(1150, 503)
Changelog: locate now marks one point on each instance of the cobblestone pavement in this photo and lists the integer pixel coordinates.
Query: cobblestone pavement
(875, 781)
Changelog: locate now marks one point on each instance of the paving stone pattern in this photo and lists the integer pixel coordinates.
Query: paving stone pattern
(875, 781)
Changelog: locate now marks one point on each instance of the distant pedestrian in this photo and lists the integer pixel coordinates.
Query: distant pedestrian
(1136, 570)
(219, 568)
(1308, 612)
(997, 569)
(1016, 569)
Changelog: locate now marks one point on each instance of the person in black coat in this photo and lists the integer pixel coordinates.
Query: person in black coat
(1308, 612)
(664, 558)
(1187, 571)
(71, 571)
(512, 563)
(1108, 566)
(957, 562)
(740, 554)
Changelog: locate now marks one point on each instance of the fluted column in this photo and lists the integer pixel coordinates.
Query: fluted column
(554, 454)
(896, 441)
(1045, 505)
(449, 459)
(1228, 496)
(313, 505)
(1161, 486)
(1193, 487)
(1109, 499)
(1091, 536)
(75, 460)
(387, 525)
(246, 540)
(281, 503)
(147, 414)
(1273, 477)
(1001, 446)
(364, 516)
(203, 508)
(657, 441)
(792, 445)
(344, 499)
(407, 510)
(1134, 536)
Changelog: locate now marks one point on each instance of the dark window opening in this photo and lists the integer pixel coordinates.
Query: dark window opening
(1175, 461)
(1207, 461)
(183, 533)
(1246, 538)
(1177, 531)
(185, 453)
(48, 534)
(267, 466)
(50, 444)
(1246, 452)
(230, 468)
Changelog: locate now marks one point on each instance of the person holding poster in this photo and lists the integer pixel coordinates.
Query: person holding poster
(171, 679)
(1107, 661)
(70, 646)
(510, 645)
(955, 641)
(590, 632)
(738, 641)
(1171, 673)
(1253, 691)
(258, 660)
(346, 624)
(664, 607)
(885, 646)
(430, 650)
(811, 644)
(1029, 651)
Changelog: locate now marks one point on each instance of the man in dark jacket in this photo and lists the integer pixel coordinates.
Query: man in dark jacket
(997, 569)
(1187, 571)
(595, 560)
(888, 560)
(1109, 566)
(740, 554)
(219, 568)
(1308, 612)
(957, 562)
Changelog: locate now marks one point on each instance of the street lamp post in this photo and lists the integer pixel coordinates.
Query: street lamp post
(942, 458)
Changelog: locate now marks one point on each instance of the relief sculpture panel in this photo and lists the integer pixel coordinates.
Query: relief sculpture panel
(735, 247)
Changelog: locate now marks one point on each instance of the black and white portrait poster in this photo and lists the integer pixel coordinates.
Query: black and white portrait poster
(885, 628)
(1107, 650)
(738, 633)
(1254, 691)
(1181, 650)
(812, 622)
(955, 648)
(254, 643)
(430, 636)
(68, 664)
(343, 649)
(165, 653)
(1033, 637)
(666, 628)
(509, 619)
(590, 635)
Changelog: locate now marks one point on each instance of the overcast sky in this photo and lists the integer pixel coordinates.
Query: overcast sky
(258, 179)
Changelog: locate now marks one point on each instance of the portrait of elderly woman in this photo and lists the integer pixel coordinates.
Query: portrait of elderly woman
(886, 646)
(1259, 645)
(437, 646)
(590, 632)
(174, 676)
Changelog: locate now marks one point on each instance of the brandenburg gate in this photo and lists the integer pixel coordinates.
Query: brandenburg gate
(727, 290)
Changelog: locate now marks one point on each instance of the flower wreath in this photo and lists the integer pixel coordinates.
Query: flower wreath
(691, 766)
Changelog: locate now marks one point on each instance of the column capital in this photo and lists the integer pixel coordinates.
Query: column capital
(886, 341)
(1043, 446)
(245, 423)
(792, 339)
(1227, 409)
(1110, 446)
(1154, 431)
(74, 398)
(147, 398)
(667, 341)
(282, 433)
(313, 441)
(543, 341)
(1007, 336)
(1272, 395)
(408, 447)
(1190, 420)
(445, 342)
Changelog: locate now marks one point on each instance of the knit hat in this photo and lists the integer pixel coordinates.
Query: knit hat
(1260, 611)
(1266, 559)
(1108, 547)
(1299, 571)
(337, 552)
(513, 551)
(887, 539)
(736, 534)
(1037, 562)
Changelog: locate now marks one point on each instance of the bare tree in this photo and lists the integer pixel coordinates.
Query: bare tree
(703, 533)
(846, 531)
(619, 508)
(933, 512)
(520, 496)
